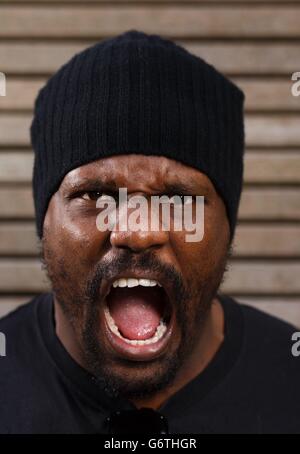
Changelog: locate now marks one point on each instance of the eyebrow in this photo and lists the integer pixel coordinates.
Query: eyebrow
(180, 187)
(92, 184)
(110, 185)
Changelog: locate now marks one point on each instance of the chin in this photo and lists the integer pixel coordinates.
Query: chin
(124, 376)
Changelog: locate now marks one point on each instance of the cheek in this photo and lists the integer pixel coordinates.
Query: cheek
(74, 238)
(217, 231)
(82, 246)
(199, 260)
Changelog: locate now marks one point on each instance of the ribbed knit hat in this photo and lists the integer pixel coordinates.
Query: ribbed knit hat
(138, 93)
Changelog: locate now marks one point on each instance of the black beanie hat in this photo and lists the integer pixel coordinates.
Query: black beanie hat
(138, 93)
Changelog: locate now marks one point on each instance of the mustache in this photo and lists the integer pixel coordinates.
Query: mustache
(147, 262)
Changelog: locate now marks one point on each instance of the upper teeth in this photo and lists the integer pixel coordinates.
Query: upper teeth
(132, 282)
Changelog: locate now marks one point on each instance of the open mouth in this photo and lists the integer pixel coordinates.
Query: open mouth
(138, 318)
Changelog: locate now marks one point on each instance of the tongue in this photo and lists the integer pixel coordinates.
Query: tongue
(136, 311)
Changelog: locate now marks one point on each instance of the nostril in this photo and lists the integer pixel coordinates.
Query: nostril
(138, 240)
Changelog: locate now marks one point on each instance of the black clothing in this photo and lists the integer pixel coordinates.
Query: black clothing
(250, 386)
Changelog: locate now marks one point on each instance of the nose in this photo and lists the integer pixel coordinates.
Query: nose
(138, 239)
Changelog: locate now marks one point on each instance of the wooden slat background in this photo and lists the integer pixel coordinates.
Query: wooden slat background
(256, 43)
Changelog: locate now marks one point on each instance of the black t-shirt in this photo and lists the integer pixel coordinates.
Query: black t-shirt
(252, 385)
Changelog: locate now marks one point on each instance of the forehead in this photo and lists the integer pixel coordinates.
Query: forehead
(130, 170)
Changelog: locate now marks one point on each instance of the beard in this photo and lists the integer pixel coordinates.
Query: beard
(81, 304)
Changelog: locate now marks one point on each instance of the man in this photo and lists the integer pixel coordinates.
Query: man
(134, 335)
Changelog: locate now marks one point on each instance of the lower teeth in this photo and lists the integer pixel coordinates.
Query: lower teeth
(160, 331)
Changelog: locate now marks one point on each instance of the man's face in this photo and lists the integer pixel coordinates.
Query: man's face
(133, 339)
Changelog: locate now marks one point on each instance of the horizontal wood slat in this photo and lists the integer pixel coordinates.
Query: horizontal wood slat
(10, 303)
(269, 240)
(40, 57)
(20, 93)
(279, 130)
(203, 21)
(277, 240)
(26, 275)
(262, 277)
(285, 309)
(268, 94)
(260, 167)
(256, 203)
(18, 239)
(265, 95)
(278, 167)
(116, 2)
(16, 166)
(14, 129)
(270, 204)
(261, 130)
(16, 203)
(23, 275)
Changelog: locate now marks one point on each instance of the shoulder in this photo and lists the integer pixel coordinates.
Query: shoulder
(20, 329)
(19, 318)
(265, 327)
(23, 344)
(22, 381)
(259, 323)
(266, 375)
(268, 342)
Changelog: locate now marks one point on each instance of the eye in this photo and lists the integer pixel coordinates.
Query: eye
(91, 195)
(182, 199)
